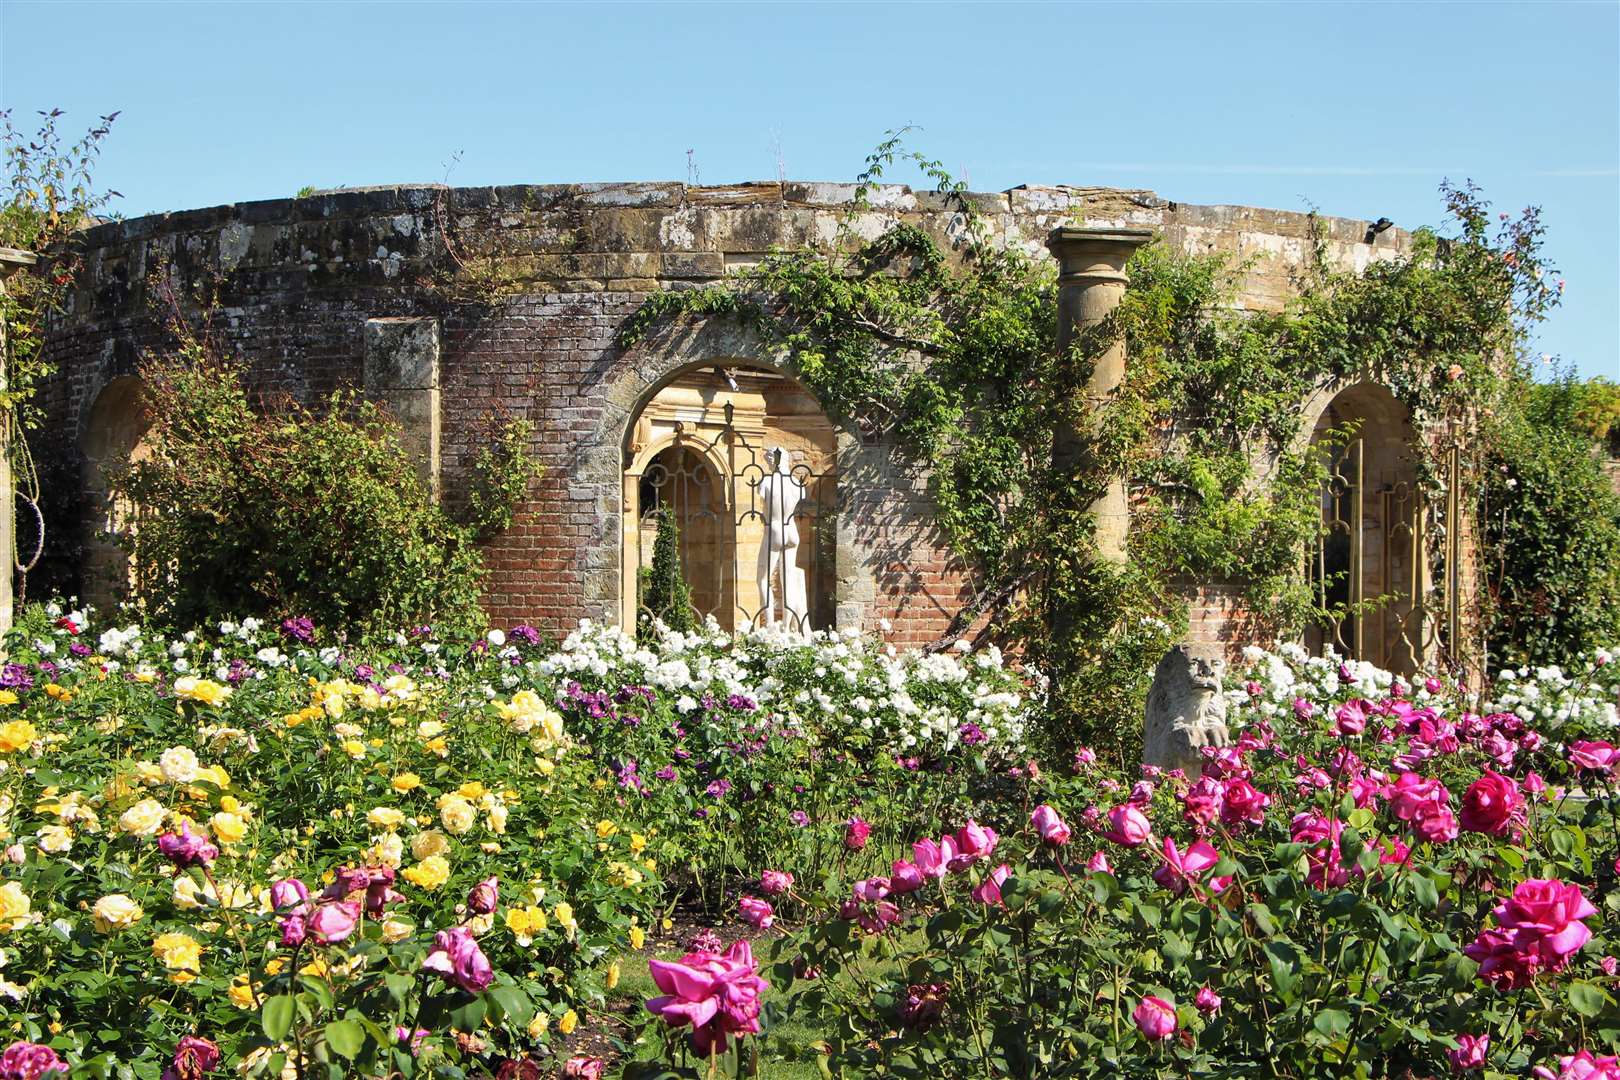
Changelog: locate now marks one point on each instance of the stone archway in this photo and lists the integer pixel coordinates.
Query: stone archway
(745, 462)
(113, 436)
(1370, 562)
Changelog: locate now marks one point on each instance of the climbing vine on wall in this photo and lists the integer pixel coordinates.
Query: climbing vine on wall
(950, 351)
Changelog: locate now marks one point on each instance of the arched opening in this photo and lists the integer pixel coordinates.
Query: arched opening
(113, 437)
(1368, 568)
(744, 462)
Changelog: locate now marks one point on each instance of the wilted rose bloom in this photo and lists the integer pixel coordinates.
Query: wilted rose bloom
(1596, 756)
(29, 1061)
(922, 1005)
(775, 882)
(856, 833)
(1470, 1053)
(989, 890)
(1155, 1018)
(457, 957)
(334, 921)
(581, 1067)
(194, 1058)
(1492, 805)
(1053, 829)
(717, 994)
(1127, 825)
(289, 894)
(524, 1068)
(484, 896)
(294, 928)
(1610, 965)
(1208, 1001)
(186, 848)
(905, 877)
(756, 912)
(1098, 864)
(870, 890)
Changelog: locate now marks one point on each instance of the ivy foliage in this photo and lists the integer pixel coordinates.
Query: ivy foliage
(951, 352)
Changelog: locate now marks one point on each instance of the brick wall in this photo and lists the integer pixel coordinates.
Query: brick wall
(299, 278)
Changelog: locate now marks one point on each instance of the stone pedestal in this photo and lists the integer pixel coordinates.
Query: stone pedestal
(1091, 282)
(402, 374)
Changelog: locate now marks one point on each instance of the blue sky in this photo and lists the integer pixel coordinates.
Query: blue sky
(1357, 109)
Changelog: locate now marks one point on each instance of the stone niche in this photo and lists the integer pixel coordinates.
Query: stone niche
(701, 449)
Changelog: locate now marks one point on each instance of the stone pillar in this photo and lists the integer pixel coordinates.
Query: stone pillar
(1091, 281)
(402, 374)
(11, 261)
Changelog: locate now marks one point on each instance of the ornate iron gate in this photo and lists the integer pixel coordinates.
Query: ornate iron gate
(757, 529)
(1387, 569)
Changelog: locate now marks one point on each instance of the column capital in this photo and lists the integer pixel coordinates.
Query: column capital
(1091, 254)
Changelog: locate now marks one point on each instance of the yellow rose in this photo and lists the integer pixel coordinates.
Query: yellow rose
(145, 818)
(431, 842)
(14, 906)
(457, 814)
(396, 930)
(241, 992)
(545, 765)
(228, 828)
(638, 843)
(430, 873)
(55, 839)
(216, 775)
(437, 746)
(623, 875)
(58, 692)
(569, 1021)
(388, 851)
(538, 1026)
(7, 697)
(497, 819)
(354, 748)
(407, 781)
(179, 765)
(202, 691)
(115, 912)
(181, 954)
(605, 829)
(385, 817)
(613, 975)
(638, 937)
(16, 735)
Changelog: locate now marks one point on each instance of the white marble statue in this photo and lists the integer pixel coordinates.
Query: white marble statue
(779, 548)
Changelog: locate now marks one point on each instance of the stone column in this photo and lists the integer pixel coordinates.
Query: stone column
(1091, 281)
(402, 374)
(11, 261)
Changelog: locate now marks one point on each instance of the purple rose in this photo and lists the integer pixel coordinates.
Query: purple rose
(29, 1061)
(457, 957)
(484, 896)
(186, 848)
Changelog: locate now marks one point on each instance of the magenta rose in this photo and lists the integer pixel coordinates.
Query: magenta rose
(194, 1058)
(1127, 825)
(1492, 805)
(29, 1061)
(457, 957)
(1155, 1018)
(756, 912)
(1470, 1053)
(976, 841)
(856, 833)
(1243, 804)
(1549, 912)
(717, 995)
(1208, 1001)
(932, 858)
(582, 1067)
(1596, 756)
(289, 894)
(186, 848)
(989, 890)
(905, 877)
(1053, 829)
(775, 882)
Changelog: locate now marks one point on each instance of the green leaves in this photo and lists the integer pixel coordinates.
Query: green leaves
(276, 1016)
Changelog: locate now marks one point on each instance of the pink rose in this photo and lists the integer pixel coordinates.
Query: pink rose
(1180, 867)
(456, 956)
(1098, 864)
(1470, 1053)
(1243, 804)
(29, 1061)
(186, 848)
(933, 859)
(1492, 805)
(1596, 756)
(1127, 825)
(194, 1058)
(1351, 717)
(1208, 1001)
(1202, 803)
(989, 891)
(581, 1067)
(1155, 1018)
(1549, 911)
(289, 894)
(905, 877)
(756, 912)
(334, 920)
(717, 994)
(1434, 822)
(856, 833)
(1411, 791)
(775, 882)
(1053, 829)
(1581, 1065)
(976, 841)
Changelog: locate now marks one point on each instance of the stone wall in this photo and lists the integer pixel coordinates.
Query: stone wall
(300, 279)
